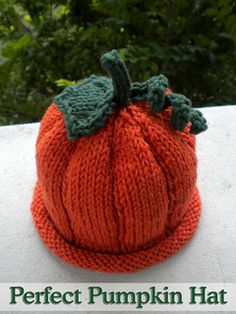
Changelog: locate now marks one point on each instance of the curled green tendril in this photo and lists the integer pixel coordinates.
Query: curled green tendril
(154, 91)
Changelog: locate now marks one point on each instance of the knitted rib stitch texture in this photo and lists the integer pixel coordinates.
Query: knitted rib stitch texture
(121, 198)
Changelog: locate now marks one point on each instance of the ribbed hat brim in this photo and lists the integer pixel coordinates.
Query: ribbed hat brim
(107, 262)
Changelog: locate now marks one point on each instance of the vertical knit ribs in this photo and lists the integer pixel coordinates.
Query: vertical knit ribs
(121, 189)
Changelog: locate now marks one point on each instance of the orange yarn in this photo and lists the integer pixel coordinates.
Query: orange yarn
(120, 199)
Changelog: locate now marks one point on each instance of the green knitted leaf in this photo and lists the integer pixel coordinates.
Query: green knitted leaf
(86, 106)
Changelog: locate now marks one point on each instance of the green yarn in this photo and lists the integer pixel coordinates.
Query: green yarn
(181, 110)
(153, 91)
(86, 106)
(113, 64)
(198, 122)
(183, 113)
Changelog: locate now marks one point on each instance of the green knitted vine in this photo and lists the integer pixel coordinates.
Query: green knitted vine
(87, 106)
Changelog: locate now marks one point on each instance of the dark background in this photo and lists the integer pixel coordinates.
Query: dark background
(46, 45)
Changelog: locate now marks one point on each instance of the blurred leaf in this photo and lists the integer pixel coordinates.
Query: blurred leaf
(64, 83)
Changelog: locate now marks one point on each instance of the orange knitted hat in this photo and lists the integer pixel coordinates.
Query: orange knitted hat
(116, 168)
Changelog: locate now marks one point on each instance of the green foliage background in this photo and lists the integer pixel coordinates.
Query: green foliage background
(48, 44)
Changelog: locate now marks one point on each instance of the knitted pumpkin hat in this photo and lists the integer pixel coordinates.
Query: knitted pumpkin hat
(116, 168)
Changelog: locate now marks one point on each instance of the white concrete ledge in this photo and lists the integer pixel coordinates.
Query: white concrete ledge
(209, 257)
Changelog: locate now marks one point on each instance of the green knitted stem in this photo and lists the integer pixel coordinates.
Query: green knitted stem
(116, 68)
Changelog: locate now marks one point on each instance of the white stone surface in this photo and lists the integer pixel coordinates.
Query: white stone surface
(209, 257)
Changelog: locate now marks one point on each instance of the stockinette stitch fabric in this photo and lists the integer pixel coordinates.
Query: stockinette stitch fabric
(117, 169)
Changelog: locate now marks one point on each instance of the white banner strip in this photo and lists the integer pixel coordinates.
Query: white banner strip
(118, 297)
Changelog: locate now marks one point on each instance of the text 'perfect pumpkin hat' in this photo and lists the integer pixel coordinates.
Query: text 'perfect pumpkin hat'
(116, 167)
